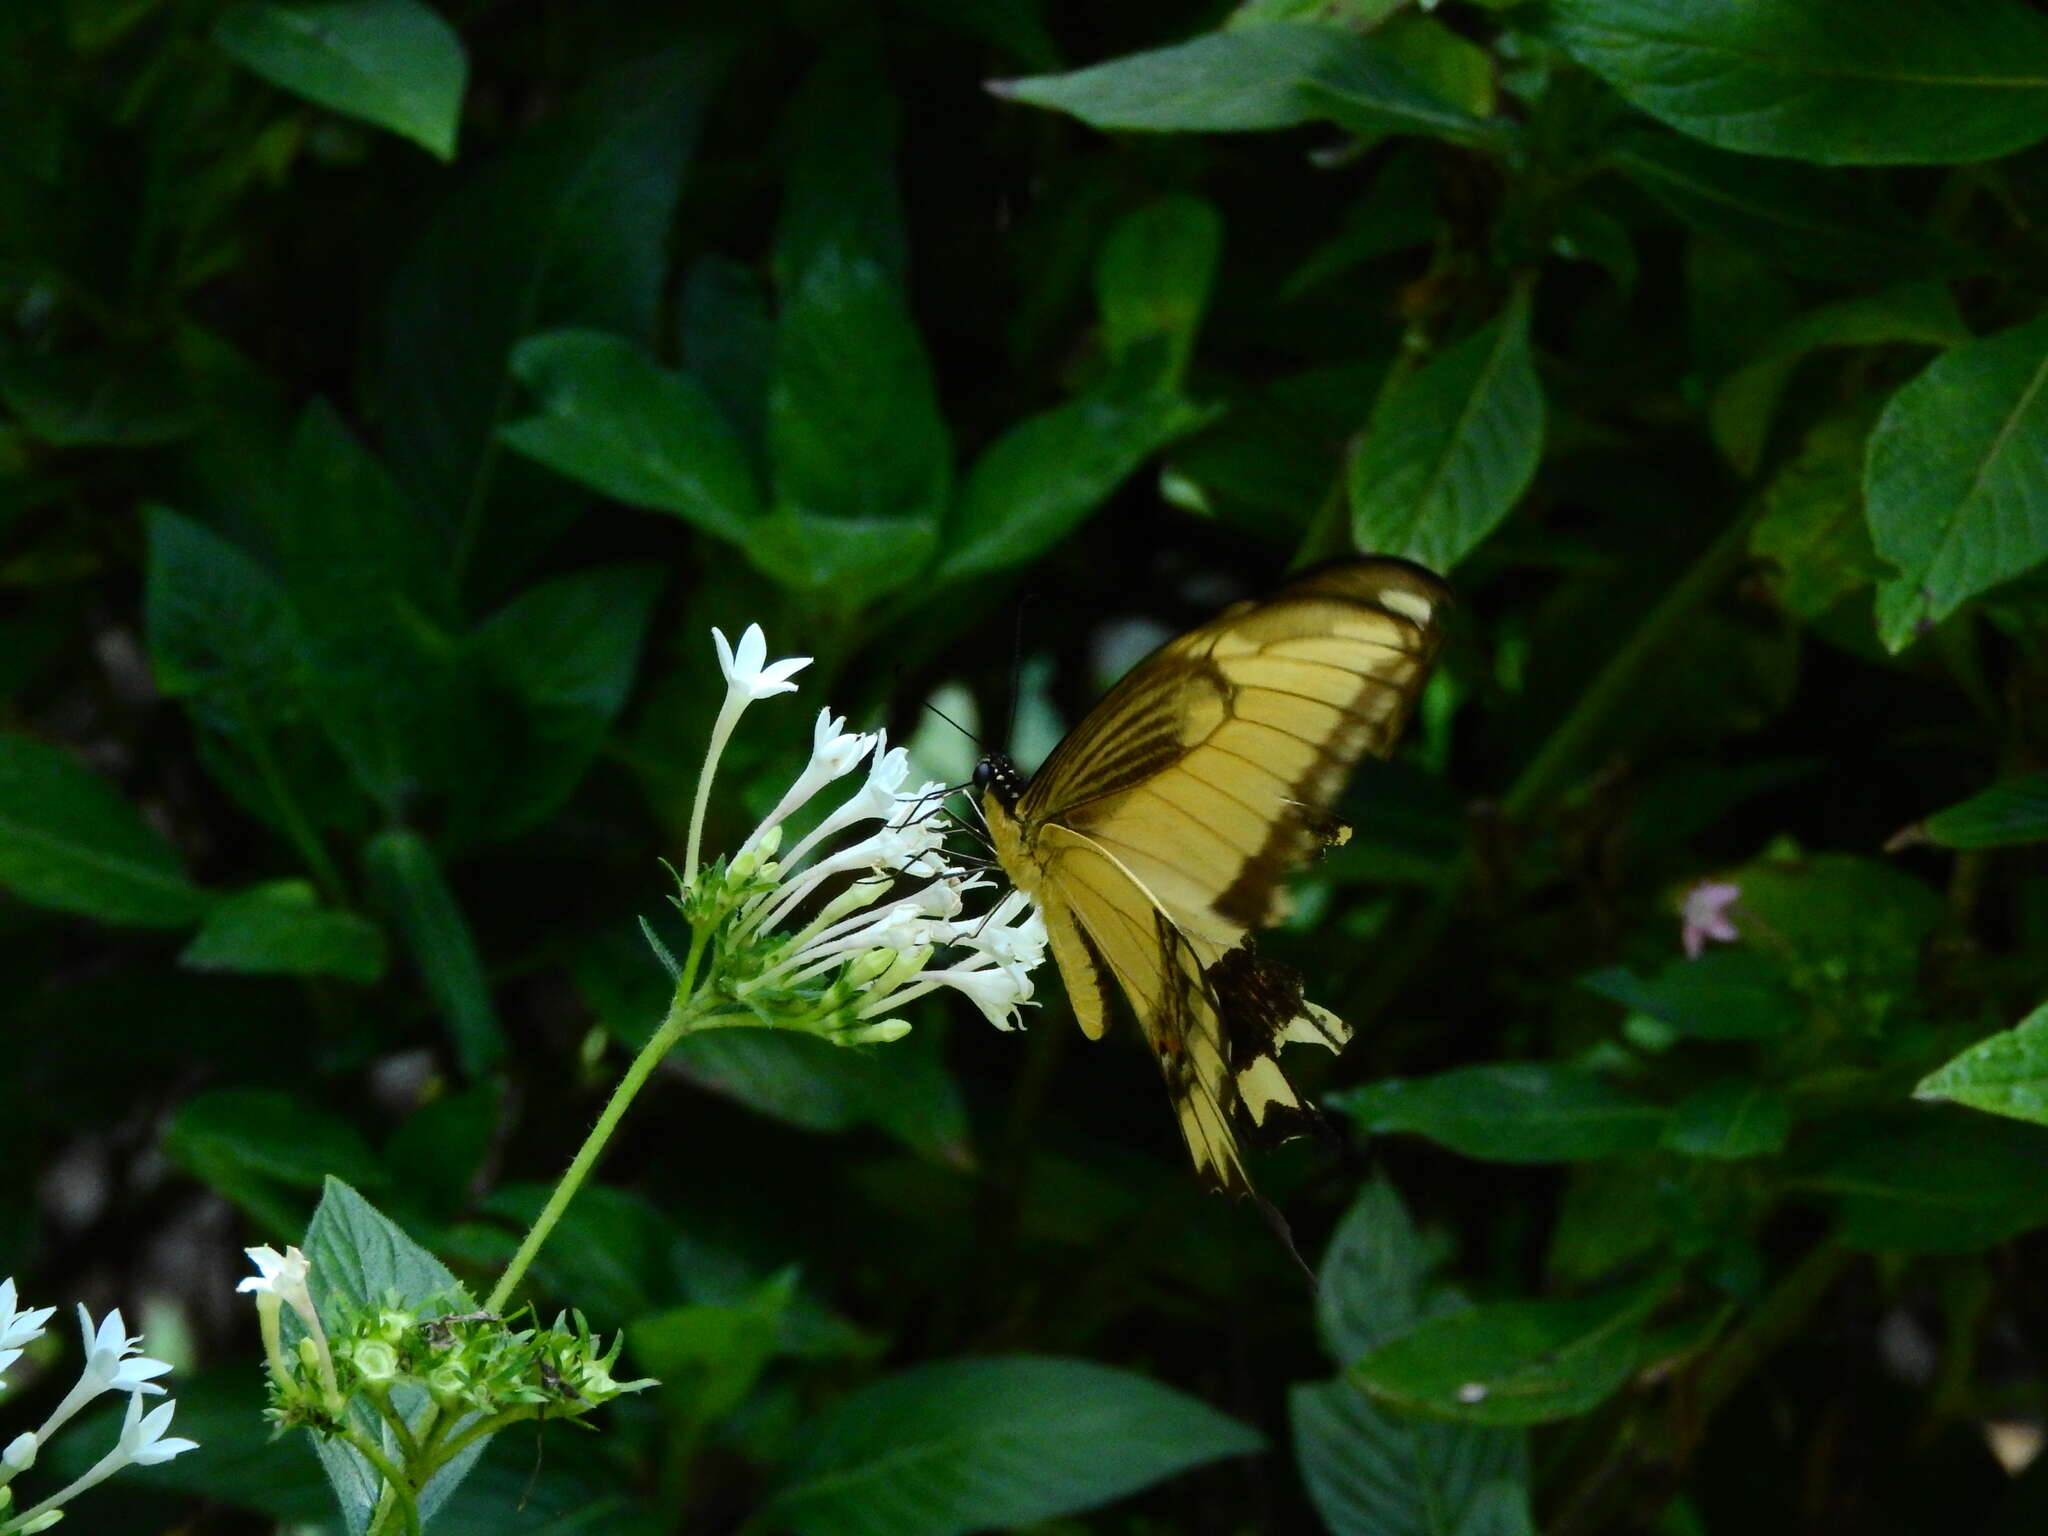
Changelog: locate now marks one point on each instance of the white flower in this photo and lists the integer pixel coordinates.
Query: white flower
(111, 1365)
(744, 673)
(997, 991)
(834, 754)
(23, 1325)
(142, 1435)
(284, 1276)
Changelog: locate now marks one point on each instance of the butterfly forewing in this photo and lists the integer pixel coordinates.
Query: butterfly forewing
(1158, 832)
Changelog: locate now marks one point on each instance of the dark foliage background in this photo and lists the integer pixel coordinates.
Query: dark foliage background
(390, 403)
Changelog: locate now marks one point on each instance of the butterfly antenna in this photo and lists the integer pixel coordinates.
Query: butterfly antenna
(1016, 673)
(928, 704)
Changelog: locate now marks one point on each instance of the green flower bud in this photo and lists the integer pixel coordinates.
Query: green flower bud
(376, 1362)
(881, 1032)
(447, 1381)
(869, 965)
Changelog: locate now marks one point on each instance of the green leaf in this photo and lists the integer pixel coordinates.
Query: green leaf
(1373, 1471)
(1374, 1283)
(1726, 994)
(280, 929)
(570, 228)
(394, 63)
(708, 1358)
(1745, 402)
(1447, 456)
(1513, 1362)
(361, 1259)
(631, 430)
(1811, 525)
(1954, 486)
(847, 560)
(965, 1445)
(69, 841)
(1933, 1180)
(1509, 1112)
(1038, 481)
(416, 897)
(127, 399)
(256, 1147)
(1730, 1119)
(1152, 283)
(565, 652)
(1836, 81)
(441, 1148)
(2006, 1074)
(1999, 817)
(854, 429)
(1817, 223)
(1259, 78)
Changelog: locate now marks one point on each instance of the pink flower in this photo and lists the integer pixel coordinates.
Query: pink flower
(1704, 916)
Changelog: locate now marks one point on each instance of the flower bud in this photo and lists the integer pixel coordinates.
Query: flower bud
(42, 1522)
(881, 1032)
(20, 1454)
(870, 965)
(376, 1362)
(447, 1381)
(393, 1325)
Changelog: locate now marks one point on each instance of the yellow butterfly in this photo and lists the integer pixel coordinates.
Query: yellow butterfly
(1156, 835)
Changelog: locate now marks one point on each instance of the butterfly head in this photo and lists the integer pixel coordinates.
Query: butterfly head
(996, 775)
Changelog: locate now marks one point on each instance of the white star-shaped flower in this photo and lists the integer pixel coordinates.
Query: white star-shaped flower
(748, 672)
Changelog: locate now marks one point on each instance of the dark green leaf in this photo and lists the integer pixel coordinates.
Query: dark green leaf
(257, 1148)
(1152, 283)
(1510, 1112)
(1045, 475)
(99, 400)
(566, 652)
(631, 430)
(847, 560)
(68, 840)
(1933, 1180)
(1999, 817)
(1374, 1471)
(568, 229)
(1261, 77)
(1732, 1118)
(1838, 81)
(1811, 525)
(1374, 1282)
(709, 1357)
(394, 63)
(2006, 1074)
(1448, 455)
(439, 1151)
(416, 898)
(1726, 994)
(280, 929)
(854, 429)
(1512, 1362)
(1843, 923)
(728, 341)
(965, 1445)
(1953, 486)
(1747, 399)
(1830, 224)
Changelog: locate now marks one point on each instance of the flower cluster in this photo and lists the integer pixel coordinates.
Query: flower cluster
(480, 1371)
(112, 1364)
(860, 915)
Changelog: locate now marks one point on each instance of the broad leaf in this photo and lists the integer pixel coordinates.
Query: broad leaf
(1513, 1362)
(1258, 78)
(394, 63)
(68, 840)
(2000, 817)
(1446, 458)
(2006, 1074)
(1955, 486)
(1510, 1112)
(419, 905)
(1726, 994)
(1837, 81)
(266, 1151)
(1933, 1180)
(966, 1445)
(1811, 525)
(1730, 1119)
(1152, 283)
(280, 929)
(1045, 475)
(1372, 1470)
(631, 430)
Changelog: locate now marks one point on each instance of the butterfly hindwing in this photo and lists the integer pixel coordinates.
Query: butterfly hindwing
(1157, 834)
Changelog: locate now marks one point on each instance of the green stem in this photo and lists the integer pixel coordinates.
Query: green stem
(1775, 1321)
(448, 1451)
(684, 1015)
(296, 826)
(397, 1494)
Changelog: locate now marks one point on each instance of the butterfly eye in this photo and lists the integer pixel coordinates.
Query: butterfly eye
(984, 774)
